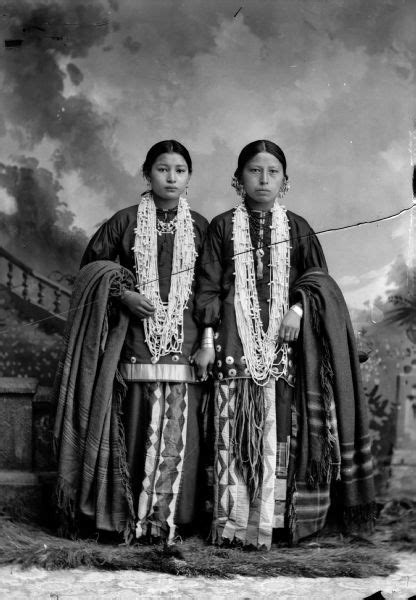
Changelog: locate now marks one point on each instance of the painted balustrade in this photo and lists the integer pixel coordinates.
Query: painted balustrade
(33, 288)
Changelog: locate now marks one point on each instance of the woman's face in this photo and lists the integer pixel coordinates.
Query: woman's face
(169, 176)
(262, 177)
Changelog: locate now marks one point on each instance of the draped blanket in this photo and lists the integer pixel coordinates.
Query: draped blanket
(93, 477)
(332, 439)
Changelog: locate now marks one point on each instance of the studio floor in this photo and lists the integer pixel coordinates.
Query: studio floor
(88, 584)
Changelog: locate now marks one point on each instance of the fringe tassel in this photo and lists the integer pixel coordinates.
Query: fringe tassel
(67, 496)
(66, 504)
(247, 435)
(314, 312)
(321, 470)
(336, 471)
(121, 282)
(119, 394)
(318, 472)
(291, 515)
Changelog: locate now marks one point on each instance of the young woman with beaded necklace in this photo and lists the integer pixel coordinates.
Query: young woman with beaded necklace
(262, 266)
(159, 240)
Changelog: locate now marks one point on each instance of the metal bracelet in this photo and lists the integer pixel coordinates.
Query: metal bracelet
(297, 309)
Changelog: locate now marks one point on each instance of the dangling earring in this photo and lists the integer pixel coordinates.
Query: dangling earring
(148, 184)
(284, 188)
(238, 186)
(186, 191)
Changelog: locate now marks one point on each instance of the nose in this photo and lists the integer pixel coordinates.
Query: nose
(171, 175)
(264, 177)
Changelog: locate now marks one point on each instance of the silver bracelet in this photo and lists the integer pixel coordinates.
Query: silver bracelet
(208, 335)
(297, 309)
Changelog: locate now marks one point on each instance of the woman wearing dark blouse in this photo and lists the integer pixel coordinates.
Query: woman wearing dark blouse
(251, 302)
(159, 240)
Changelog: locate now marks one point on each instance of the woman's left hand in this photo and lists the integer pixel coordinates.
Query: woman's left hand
(203, 359)
(290, 327)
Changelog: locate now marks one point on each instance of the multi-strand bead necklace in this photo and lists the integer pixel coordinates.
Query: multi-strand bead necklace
(164, 330)
(264, 358)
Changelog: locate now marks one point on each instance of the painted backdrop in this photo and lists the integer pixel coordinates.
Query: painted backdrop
(88, 87)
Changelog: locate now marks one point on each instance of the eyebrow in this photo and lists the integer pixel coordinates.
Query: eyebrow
(268, 167)
(162, 164)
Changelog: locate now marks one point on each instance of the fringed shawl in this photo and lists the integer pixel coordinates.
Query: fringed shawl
(329, 372)
(93, 477)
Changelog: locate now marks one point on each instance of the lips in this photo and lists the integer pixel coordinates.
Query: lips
(171, 189)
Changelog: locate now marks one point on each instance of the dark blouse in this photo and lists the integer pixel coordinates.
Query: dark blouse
(215, 296)
(114, 240)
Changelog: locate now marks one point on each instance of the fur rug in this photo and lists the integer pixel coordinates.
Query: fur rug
(396, 524)
(333, 556)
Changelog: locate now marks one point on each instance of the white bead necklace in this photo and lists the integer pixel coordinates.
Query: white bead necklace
(264, 358)
(164, 330)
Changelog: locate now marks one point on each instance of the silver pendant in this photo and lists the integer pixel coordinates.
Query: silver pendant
(259, 269)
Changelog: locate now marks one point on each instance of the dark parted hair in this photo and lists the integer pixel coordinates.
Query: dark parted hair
(163, 147)
(249, 151)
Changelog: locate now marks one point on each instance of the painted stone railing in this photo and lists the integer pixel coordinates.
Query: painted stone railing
(38, 297)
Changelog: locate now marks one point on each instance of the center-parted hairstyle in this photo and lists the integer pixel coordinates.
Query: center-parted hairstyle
(165, 147)
(250, 151)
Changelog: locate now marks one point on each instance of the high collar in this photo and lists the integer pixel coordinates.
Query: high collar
(163, 211)
(256, 211)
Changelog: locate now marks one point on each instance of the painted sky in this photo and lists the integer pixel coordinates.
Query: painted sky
(92, 87)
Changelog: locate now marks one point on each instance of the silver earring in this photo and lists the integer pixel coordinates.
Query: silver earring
(284, 188)
(238, 186)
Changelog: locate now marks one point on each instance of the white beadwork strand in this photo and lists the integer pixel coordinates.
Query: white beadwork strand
(164, 330)
(264, 358)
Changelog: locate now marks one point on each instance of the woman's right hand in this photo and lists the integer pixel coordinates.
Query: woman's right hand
(138, 305)
(203, 359)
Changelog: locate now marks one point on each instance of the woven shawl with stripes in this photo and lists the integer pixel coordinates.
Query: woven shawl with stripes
(329, 367)
(92, 467)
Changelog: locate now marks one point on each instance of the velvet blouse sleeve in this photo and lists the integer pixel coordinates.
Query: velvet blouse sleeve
(200, 228)
(105, 243)
(209, 289)
(313, 253)
(306, 249)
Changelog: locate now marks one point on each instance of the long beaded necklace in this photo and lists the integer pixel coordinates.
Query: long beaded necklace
(264, 358)
(164, 330)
